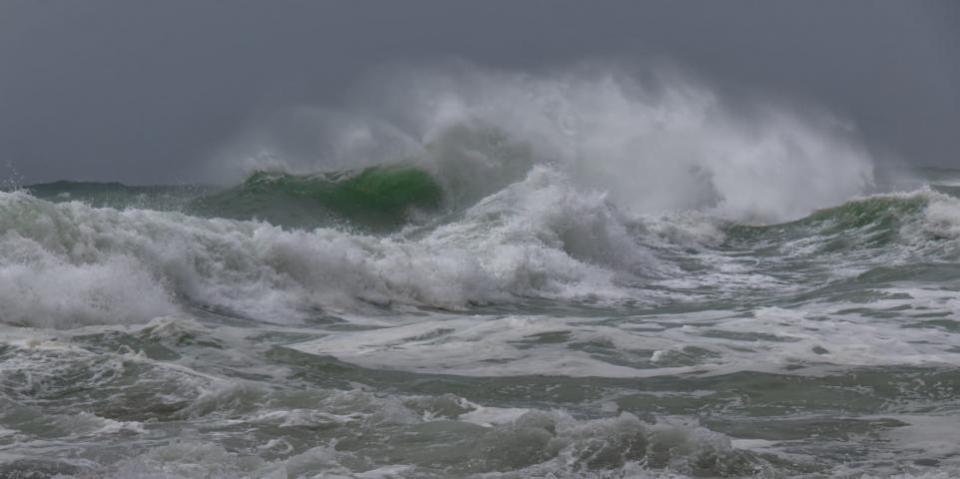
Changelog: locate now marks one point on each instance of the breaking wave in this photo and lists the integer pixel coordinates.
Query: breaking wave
(538, 238)
(473, 188)
(469, 278)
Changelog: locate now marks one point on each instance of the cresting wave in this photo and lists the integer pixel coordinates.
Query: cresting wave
(653, 142)
(474, 188)
(68, 264)
(585, 274)
(379, 198)
(138, 262)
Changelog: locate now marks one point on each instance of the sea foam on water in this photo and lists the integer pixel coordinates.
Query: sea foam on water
(590, 272)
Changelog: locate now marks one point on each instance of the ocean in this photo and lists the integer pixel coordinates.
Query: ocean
(773, 305)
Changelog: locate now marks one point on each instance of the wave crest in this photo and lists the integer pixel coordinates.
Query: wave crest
(655, 142)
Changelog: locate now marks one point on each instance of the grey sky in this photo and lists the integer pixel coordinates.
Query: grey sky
(141, 91)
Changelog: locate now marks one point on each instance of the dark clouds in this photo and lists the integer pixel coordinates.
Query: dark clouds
(142, 91)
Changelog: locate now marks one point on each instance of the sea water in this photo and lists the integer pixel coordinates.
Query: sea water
(500, 276)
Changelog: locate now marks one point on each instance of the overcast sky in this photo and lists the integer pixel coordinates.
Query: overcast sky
(143, 90)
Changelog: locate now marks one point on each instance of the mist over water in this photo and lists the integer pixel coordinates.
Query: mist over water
(653, 141)
(587, 272)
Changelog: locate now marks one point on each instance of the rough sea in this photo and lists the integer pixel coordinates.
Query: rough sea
(499, 277)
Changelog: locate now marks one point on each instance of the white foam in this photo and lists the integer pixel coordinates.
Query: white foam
(476, 346)
(655, 141)
(542, 444)
(943, 215)
(67, 265)
(769, 339)
(490, 416)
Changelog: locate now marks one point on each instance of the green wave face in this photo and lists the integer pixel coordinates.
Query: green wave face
(867, 223)
(882, 213)
(375, 199)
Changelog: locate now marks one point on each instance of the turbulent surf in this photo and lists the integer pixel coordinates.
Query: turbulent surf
(498, 275)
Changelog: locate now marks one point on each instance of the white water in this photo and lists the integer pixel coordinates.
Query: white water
(658, 144)
(68, 264)
(550, 323)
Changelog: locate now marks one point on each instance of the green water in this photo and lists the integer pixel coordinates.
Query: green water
(156, 331)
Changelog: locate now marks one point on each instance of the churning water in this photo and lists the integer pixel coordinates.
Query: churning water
(496, 275)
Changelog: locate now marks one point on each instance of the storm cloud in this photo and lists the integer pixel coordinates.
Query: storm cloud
(144, 92)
